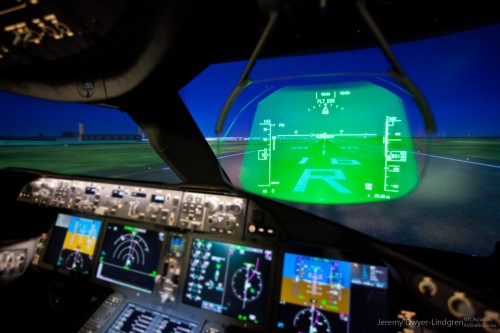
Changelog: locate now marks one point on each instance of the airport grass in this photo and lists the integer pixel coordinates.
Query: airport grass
(93, 158)
(79, 159)
(87, 158)
(466, 148)
(227, 147)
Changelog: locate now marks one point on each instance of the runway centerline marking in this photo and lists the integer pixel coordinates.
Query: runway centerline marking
(303, 160)
(232, 155)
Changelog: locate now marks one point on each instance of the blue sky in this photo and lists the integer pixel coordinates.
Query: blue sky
(458, 74)
(30, 116)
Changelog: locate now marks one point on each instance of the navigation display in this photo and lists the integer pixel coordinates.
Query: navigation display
(72, 243)
(130, 256)
(229, 279)
(328, 295)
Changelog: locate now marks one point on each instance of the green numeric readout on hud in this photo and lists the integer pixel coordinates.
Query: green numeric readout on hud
(345, 143)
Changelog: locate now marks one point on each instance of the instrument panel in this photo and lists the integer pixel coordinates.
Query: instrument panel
(212, 213)
(186, 261)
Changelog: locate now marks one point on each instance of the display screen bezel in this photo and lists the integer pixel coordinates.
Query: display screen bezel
(320, 252)
(43, 263)
(124, 287)
(113, 320)
(261, 327)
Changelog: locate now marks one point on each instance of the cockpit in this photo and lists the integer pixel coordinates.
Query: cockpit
(265, 166)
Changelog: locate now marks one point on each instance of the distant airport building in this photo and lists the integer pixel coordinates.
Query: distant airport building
(69, 136)
(28, 138)
(141, 132)
(81, 135)
(107, 137)
(110, 137)
(81, 131)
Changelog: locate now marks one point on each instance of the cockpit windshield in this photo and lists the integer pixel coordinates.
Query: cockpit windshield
(77, 139)
(329, 133)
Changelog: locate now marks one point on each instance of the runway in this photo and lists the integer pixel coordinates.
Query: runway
(453, 207)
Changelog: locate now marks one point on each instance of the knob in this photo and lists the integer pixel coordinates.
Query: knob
(234, 208)
(78, 190)
(152, 209)
(35, 186)
(44, 193)
(460, 306)
(133, 209)
(491, 322)
(211, 205)
(427, 287)
(112, 203)
(49, 186)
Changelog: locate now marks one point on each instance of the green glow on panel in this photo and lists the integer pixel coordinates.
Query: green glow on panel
(335, 143)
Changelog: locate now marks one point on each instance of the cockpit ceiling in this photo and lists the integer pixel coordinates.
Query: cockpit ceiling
(40, 31)
(35, 31)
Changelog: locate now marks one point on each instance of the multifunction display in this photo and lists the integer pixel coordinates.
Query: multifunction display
(72, 243)
(229, 279)
(325, 295)
(130, 256)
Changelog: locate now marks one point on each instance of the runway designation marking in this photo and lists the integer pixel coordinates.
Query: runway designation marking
(330, 176)
(343, 161)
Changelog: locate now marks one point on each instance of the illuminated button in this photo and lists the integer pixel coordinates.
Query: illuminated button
(213, 229)
(229, 232)
(211, 330)
(270, 231)
(113, 301)
(261, 230)
(252, 228)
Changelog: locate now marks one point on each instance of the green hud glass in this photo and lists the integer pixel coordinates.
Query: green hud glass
(323, 140)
